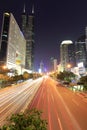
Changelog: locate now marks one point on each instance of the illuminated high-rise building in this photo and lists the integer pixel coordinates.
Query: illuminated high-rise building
(41, 66)
(86, 38)
(55, 64)
(13, 44)
(67, 54)
(80, 50)
(28, 31)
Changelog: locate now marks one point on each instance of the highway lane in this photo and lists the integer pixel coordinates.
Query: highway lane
(16, 98)
(63, 109)
(77, 106)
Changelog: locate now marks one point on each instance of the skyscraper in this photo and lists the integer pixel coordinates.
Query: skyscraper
(11, 54)
(55, 64)
(67, 54)
(28, 31)
(42, 67)
(80, 50)
(86, 38)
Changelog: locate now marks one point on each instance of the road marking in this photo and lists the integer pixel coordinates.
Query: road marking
(49, 118)
(60, 125)
(75, 102)
(74, 122)
(84, 100)
(52, 98)
(49, 114)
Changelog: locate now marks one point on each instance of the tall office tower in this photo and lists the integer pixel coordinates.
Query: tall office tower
(13, 44)
(80, 50)
(86, 45)
(55, 64)
(42, 67)
(86, 39)
(24, 22)
(28, 31)
(67, 56)
(51, 66)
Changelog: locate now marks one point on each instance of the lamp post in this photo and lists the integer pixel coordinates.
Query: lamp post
(4, 67)
(68, 67)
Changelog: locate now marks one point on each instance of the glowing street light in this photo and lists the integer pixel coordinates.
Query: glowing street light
(69, 66)
(4, 67)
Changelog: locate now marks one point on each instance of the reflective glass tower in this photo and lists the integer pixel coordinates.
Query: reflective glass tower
(80, 50)
(67, 54)
(13, 43)
(28, 31)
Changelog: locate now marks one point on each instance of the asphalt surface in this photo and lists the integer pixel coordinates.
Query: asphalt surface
(15, 99)
(62, 108)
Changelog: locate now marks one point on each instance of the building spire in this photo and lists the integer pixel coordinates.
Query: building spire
(33, 9)
(24, 9)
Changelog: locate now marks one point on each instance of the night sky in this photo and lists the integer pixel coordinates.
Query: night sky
(55, 21)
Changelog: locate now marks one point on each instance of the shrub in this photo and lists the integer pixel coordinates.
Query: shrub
(30, 120)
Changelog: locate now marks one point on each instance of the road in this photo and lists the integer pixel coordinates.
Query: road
(16, 98)
(62, 108)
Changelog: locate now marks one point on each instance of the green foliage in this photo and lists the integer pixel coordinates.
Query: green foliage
(4, 70)
(26, 75)
(66, 76)
(30, 120)
(83, 79)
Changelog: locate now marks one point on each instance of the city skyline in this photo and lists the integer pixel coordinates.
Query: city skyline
(55, 21)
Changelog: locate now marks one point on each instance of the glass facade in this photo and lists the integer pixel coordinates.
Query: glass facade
(67, 54)
(4, 38)
(28, 31)
(80, 48)
(13, 43)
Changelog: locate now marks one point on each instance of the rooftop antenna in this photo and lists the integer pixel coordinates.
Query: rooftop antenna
(24, 9)
(33, 9)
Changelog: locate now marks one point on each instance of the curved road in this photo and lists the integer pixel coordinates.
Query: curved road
(63, 109)
(16, 98)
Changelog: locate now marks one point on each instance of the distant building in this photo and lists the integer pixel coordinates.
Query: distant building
(55, 64)
(42, 67)
(51, 64)
(86, 38)
(13, 44)
(80, 51)
(28, 31)
(67, 54)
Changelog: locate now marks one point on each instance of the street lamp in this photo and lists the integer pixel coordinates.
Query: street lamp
(4, 67)
(69, 67)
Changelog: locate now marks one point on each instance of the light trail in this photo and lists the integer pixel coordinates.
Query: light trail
(16, 98)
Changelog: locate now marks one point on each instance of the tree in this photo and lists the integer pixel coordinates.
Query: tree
(26, 75)
(66, 76)
(30, 120)
(83, 80)
(4, 70)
